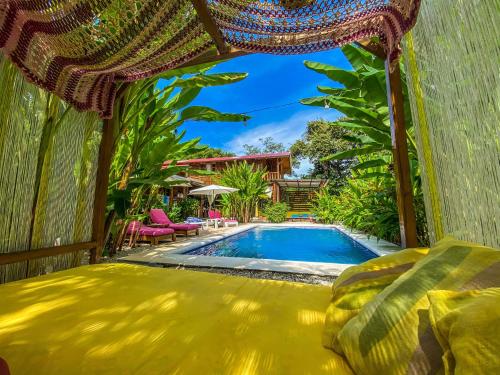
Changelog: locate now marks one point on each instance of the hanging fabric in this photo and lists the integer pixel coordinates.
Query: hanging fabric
(81, 49)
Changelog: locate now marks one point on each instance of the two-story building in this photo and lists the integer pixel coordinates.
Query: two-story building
(298, 193)
(277, 166)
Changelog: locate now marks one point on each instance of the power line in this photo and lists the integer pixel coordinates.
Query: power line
(268, 108)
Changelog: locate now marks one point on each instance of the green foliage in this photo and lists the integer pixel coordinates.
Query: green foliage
(268, 146)
(252, 187)
(189, 207)
(324, 207)
(321, 139)
(363, 101)
(174, 213)
(368, 201)
(368, 205)
(276, 213)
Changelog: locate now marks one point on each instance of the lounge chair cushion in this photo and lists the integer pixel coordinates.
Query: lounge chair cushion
(391, 334)
(144, 230)
(358, 285)
(467, 326)
(128, 319)
(184, 226)
(158, 216)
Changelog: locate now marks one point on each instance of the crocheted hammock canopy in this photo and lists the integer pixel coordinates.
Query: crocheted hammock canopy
(80, 49)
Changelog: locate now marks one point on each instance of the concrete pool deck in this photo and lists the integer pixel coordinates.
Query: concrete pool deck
(172, 253)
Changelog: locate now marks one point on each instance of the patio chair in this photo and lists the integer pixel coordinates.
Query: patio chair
(215, 217)
(160, 219)
(222, 220)
(137, 231)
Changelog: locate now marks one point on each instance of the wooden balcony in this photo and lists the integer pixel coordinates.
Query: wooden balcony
(207, 180)
(270, 176)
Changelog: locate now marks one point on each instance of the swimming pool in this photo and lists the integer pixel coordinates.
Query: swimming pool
(326, 245)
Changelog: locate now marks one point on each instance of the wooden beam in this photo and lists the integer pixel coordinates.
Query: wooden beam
(171, 197)
(212, 56)
(374, 48)
(101, 189)
(407, 221)
(210, 26)
(21, 256)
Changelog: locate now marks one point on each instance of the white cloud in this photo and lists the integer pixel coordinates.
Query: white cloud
(286, 131)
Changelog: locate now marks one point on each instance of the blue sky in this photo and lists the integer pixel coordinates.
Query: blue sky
(272, 80)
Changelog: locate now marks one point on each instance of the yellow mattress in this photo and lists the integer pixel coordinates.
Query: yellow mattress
(125, 319)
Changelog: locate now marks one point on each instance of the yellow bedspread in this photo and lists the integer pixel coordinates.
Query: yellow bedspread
(125, 319)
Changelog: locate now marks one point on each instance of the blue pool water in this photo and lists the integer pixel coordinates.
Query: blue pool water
(303, 244)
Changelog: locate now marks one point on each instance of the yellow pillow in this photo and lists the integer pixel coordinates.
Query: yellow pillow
(359, 284)
(391, 334)
(467, 326)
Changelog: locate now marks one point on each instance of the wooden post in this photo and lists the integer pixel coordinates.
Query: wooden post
(407, 221)
(101, 190)
(171, 197)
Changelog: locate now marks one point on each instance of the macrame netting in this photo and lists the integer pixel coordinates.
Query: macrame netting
(65, 178)
(79, 49)
(452, 60)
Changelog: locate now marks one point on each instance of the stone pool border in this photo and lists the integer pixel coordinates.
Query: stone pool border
(165, 255)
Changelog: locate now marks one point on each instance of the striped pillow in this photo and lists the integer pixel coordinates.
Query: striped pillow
(359, 284)
(392, 334)
(467, 326)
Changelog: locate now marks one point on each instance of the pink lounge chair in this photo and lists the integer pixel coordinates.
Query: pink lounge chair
(138, 231)
(159, 217)
(216, 215)
(229, 222)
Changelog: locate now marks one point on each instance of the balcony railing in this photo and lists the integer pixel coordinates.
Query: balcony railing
(270, 176)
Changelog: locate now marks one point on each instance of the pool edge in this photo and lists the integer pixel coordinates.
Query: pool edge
(177, 257)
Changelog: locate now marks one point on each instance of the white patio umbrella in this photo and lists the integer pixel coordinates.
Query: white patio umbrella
(211, 191)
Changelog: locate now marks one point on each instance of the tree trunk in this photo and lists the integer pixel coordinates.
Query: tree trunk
(126, 175)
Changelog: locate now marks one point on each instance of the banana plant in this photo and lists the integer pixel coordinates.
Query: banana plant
(362, 98)
(148, 117)
(151, 117)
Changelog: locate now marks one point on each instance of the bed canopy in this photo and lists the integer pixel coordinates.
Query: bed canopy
(80, 49)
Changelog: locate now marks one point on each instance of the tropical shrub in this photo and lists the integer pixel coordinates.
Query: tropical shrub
(368, 205)
(324, 205)
(189, 207)
(174, 213)
(276, 212)
(252, 187)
